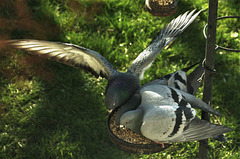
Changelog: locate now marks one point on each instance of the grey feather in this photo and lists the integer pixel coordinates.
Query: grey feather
(164, 80)
(194, 79)
(166, 116)
(201, 129)
(198, 103)
(164, 37)
(121, 86)
(69, 54)
(132, 104)
(163, 92)
(178, 80)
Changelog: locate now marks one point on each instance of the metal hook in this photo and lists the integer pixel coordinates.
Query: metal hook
(207, 67)
(217, 46)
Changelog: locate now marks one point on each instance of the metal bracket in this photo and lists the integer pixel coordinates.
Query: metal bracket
(217, 46)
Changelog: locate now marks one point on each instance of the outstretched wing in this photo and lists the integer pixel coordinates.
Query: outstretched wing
(69, 54)
(165, 36)
(201, 129)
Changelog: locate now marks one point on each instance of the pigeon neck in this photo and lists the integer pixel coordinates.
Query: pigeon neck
(136, 125)
(131, 104)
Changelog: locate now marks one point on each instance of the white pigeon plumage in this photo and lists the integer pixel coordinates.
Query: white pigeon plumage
(165, 114)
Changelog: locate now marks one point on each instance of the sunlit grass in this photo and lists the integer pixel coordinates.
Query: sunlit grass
(50, 110)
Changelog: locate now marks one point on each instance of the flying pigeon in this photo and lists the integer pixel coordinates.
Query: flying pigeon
(121, 86)
(165, 114)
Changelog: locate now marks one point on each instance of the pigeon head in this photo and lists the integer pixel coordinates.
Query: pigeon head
(131, 104)
(133, 120)
(120, 89)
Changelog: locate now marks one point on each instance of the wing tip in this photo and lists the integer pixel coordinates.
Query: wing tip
(15, 43)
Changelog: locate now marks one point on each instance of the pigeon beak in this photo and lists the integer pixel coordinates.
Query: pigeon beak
(111, 102)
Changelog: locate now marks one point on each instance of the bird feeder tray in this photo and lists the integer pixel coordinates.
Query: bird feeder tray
(162, 8)
(129, 141)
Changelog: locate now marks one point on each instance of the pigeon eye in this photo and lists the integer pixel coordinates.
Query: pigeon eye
(126, 122)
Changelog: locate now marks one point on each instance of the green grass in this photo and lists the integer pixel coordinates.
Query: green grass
(50, 110)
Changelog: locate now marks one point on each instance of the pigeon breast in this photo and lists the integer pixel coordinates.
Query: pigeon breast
(164, 123)
(165, 113)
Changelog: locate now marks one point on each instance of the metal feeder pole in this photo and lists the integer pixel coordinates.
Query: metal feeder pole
(209, 65)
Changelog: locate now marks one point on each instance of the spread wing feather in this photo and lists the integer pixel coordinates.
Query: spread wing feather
(164, 37)
(69, 54)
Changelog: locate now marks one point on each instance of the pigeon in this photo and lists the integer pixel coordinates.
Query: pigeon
(165, 114)
(135, 100)
(121, 86)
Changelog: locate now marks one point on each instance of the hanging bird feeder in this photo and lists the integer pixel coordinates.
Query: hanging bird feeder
(161, 8)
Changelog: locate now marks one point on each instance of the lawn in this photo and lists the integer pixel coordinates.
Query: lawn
(51, 110)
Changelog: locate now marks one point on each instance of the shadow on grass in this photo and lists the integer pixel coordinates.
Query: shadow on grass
(68, 119)
(72, 120)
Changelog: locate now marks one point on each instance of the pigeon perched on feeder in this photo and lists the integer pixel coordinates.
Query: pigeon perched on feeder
(165, 114)
(121, 86)
(170, 79)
